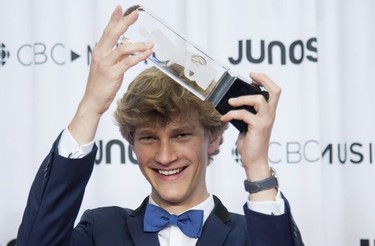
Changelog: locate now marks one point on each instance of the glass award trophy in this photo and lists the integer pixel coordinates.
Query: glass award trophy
(202, 75)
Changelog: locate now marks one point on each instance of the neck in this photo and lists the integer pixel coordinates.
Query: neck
(179, 206)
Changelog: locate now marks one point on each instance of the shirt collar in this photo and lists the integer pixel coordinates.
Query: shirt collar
(207, 206)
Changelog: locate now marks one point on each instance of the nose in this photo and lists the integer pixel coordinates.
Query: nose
(166, 153)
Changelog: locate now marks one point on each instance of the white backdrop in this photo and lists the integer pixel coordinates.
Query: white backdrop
(320, 52)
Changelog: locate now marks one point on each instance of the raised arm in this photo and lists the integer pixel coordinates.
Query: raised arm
(57, 191)
(106, 74)
(253, 144)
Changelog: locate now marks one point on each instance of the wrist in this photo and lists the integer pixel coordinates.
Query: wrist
(258, 172)
(84, 124)
(263, 196)
(268, 185)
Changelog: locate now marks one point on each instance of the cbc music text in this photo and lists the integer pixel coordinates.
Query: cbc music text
(311, 151)
(275, 52)
(290, 152)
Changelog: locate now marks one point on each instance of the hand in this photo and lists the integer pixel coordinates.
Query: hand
(252, 145)
(109, 63)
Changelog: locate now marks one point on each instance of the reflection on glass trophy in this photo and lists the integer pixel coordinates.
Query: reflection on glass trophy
(202, 76)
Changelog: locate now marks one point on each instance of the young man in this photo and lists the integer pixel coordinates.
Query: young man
(174, 136)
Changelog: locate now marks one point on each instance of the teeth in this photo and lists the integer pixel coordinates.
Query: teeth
(170, 172)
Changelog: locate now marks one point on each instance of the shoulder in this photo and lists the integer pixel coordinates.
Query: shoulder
(101, 224)
(115, 213)
(109, 212)
(105, 219)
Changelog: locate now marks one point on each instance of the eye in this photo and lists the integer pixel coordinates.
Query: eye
(147, 139)
(183, 136)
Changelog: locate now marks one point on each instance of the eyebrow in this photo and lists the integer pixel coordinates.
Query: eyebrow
(150, 130)
(144, 131)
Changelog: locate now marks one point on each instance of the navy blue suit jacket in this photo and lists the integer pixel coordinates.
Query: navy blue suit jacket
(57, 192)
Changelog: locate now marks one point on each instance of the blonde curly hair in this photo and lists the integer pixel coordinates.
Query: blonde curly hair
(154, 99)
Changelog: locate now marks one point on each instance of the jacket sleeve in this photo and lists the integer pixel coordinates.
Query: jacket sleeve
(272, 230)
(55, 199)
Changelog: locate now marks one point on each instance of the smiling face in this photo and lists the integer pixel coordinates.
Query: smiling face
(173, 133)
(174, 158)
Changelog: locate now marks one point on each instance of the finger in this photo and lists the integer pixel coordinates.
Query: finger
(115, 17)
(132, 60)
(125, 50)
(257, 101)
(241, 114)
(115, 28)
(237, 114)
(273, 89)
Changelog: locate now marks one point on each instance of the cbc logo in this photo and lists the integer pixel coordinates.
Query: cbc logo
(39, 53)
(4, 54)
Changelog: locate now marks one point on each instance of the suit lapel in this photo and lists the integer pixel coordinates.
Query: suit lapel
(135, 225)
(215, 230)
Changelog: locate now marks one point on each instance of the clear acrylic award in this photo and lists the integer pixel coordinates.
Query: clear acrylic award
(202, 75)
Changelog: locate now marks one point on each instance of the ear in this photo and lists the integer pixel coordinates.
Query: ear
(214, 144)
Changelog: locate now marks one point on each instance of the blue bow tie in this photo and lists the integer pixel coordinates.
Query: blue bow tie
(190, 222)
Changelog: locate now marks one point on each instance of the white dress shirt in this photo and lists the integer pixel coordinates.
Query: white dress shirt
(171, 235)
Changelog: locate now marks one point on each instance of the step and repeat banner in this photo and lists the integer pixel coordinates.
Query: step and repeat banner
(323, 145)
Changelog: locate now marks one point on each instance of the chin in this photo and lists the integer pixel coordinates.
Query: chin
(171, 196)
